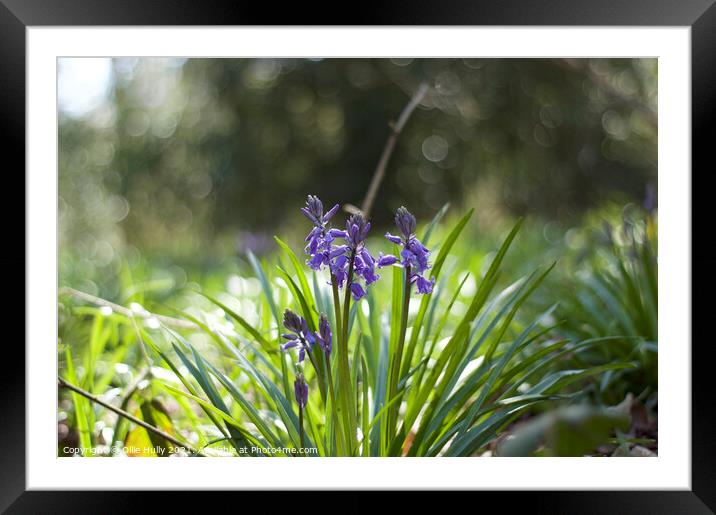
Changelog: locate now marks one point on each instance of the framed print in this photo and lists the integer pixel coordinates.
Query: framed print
(431, 251)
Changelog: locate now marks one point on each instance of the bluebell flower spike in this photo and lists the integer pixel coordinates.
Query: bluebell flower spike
(324, 336)
(413, 255)
(299, 335)
(323, 251)
(300, 389)
(405, 221)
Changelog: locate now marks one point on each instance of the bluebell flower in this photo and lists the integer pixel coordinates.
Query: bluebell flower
(319, 241)
(339, 269)
(357, 291)
(413, 256)
(424, 285)
(300, 388)
(299, 335)
(323, 251)
(324, 336)
(405, 221)
(364, 264)
(314, 211)
(386, 260)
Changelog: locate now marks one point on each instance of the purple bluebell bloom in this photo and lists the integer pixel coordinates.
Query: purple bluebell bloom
(357, 229)
(413, 256)
(323, 251)
(319, 240)
(424, 286)
(386, 260)
(364, 264)
(357, 291)
(299, 335)
(300, 388)
(339, 269)
(365, 267)
(314, 211)
(395, 239)
(324, 336)
(405, 221)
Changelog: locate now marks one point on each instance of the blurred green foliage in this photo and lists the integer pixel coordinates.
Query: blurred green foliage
(178, 168)
(193, 160)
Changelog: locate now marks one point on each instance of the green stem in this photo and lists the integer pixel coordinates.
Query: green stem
(347, 300)
(417, 383)
(300, 426)
(342, 351)
(321, 386)
(336, 305)
(344, 367)
(334, 407)
(395, 368)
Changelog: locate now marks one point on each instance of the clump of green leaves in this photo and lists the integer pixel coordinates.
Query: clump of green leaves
(615, 293)
(463, 377)
(442, 374)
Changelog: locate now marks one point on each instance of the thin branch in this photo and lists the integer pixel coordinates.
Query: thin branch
(388, 149)
(128, 416)
(133, 387)
(176, 322)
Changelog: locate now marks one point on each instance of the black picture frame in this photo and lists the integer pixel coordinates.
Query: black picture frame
(17, 15)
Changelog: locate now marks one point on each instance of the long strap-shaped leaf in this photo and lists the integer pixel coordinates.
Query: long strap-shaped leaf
(473, 412)
(433, 223)
(312, 318)
(471, 439)
(242, 322)
(150, 341)
(238, 440)
(477, 378)
(268, 292)
(438, 332)
(448, 357)
(462, 331)
(434, 273)
(542, 364)
(283, 405)
(441, 418)
(460, 361)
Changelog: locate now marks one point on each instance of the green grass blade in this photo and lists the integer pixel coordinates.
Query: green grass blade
(242, 322)
(435, 221)
(298, 268)
(81, 406)
(268, 292)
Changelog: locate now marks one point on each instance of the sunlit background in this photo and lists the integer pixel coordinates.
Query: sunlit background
(175, 175)
(189, 163)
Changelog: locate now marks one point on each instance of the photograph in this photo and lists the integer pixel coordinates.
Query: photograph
(357, 257)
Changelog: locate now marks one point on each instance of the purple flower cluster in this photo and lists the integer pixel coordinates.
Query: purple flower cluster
(300, 388)
(300, 336)
(324, 336)
(319, 242)
(352, 255)
(414, 255)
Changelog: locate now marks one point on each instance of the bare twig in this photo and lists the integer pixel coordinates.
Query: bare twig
(128, 416)
(388, 149)
(175, 322)
(133, 387)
